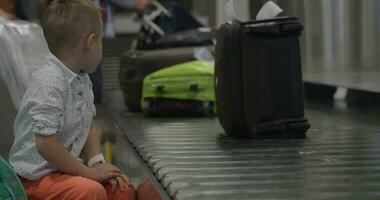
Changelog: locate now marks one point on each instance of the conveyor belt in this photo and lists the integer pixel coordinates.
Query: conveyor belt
(113, 49)
(346, 76)
(192, 159)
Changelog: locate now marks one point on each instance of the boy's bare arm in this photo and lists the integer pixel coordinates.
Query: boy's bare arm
(92, 146)
(57, 156)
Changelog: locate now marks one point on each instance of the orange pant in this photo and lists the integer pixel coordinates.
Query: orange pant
(68, 187)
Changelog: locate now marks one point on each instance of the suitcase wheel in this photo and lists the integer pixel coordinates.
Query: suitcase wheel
(146, 108)
(298, 126)
(208, 108)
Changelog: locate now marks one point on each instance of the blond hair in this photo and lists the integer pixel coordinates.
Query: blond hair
(66, 22)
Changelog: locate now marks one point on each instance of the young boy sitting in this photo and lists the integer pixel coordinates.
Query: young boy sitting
(56, 151)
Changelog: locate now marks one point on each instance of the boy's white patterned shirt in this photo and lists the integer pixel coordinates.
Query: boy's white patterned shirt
(57, 101)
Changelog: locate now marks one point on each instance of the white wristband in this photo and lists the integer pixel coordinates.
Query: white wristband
(95, 159)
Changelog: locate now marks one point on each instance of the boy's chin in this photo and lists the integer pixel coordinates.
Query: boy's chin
(90, 71)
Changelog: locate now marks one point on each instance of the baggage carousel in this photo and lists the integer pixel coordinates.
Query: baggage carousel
(191, 158)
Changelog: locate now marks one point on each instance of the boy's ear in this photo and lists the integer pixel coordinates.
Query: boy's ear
(89, 41)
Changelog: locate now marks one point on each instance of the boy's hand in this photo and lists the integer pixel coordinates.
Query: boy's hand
(116, 182)
(102, 172)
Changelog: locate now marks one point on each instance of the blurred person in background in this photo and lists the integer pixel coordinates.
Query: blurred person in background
(31, 10)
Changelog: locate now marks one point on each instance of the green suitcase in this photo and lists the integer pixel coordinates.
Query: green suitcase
(185, 89)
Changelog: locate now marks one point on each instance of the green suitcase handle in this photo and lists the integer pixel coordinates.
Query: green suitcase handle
(160, 88)
(192, 88)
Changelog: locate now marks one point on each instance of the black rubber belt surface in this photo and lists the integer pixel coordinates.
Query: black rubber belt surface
(192, 159)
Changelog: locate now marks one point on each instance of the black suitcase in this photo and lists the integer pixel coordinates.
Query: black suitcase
(189, 38)
(259, 88)
(135, 65)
